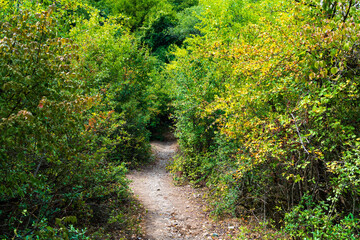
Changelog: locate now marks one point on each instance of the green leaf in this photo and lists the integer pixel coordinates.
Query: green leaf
(334, 70)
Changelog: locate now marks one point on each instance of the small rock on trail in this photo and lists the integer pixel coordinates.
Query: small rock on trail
(173, 212)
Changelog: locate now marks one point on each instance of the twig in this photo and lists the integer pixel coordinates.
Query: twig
(348, 11)
(297, 129)
(38, 166)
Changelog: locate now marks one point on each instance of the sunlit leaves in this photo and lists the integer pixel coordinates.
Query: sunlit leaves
(285, 93)
(55, 137)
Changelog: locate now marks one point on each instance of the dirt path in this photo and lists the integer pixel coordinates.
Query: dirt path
(173, 212)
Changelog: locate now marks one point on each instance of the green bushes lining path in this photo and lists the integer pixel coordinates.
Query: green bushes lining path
(74, 109)
(267, 112)
(264, 95)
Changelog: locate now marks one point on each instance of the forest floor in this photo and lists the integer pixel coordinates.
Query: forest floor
(174, 212)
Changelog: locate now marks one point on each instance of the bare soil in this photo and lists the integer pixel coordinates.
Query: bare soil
(174, 212)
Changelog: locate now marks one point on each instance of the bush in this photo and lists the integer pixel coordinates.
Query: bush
(266, 106)
(310, 220)
(114, 61)
(58, 131)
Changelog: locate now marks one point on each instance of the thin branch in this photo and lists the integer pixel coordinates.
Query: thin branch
(38, 166)
(348, 10)
(334, 9)
(297, 129)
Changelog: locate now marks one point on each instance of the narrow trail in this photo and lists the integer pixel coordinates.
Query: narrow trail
(173, 212)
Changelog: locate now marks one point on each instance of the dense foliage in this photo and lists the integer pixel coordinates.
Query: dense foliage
(267, 110)
(264, 95)
(74, 109)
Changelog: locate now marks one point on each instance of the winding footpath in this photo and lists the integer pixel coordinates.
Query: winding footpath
(173, 212)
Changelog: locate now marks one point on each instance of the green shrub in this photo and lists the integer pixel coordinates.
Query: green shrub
(57, 133)
(114, 61)
(310, 220)
(266, 105)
